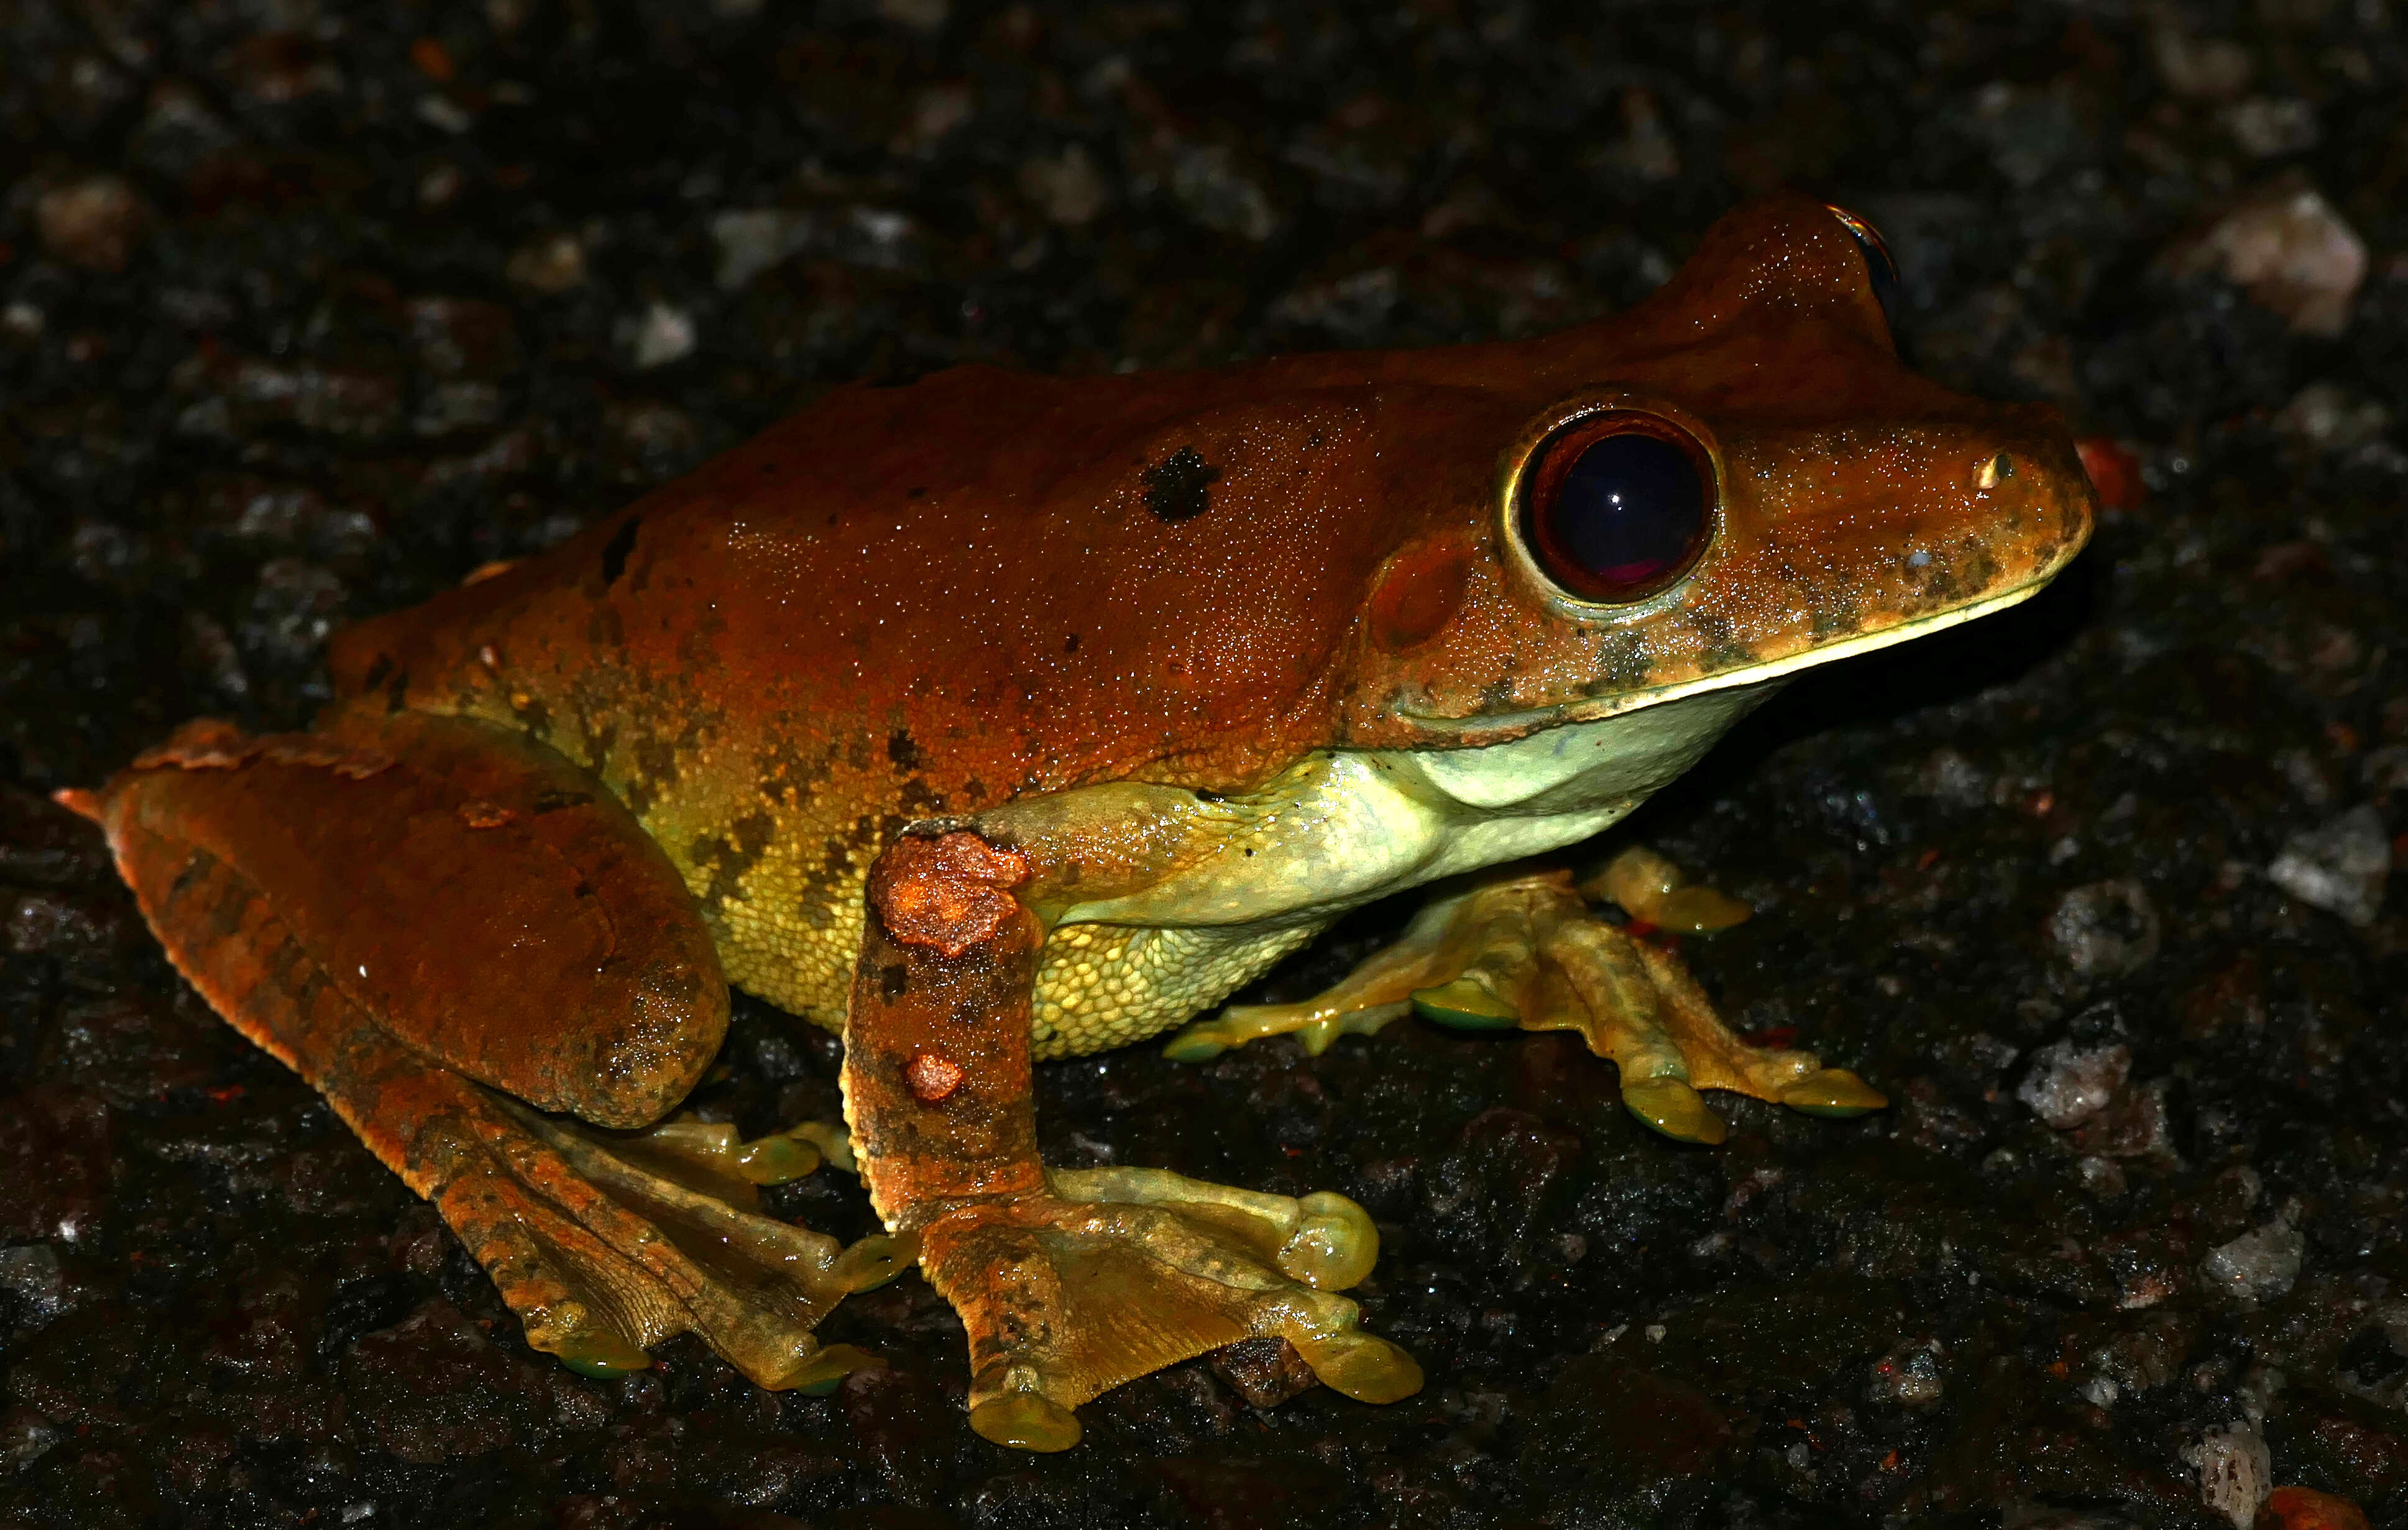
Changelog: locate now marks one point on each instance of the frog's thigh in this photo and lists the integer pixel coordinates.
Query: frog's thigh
(427, 906)
(1526, 951)
(1069, 1283)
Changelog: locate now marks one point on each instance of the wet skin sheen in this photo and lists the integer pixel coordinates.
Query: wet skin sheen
(999, 717)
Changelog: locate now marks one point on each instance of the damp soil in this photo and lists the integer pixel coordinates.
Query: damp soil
(307, 310)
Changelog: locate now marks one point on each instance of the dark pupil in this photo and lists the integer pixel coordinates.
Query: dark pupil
(1626, 516)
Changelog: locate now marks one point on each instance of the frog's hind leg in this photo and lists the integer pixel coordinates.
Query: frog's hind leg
(428, 912)
(1526, 951)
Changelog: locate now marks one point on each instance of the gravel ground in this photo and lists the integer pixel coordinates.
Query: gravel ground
(307, 309)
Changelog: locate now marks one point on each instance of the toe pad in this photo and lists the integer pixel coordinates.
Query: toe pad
(1364, 1366)
(1026, 1421)
(1833, 1092)
(1675, 1109)
(1334, 1244)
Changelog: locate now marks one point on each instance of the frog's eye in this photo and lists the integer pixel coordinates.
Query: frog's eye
(1617, 506)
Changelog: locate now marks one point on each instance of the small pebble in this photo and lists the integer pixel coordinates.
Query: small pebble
(2256, 1266)
(662, 333)
(2107, 929)
(2341, 865)
(549, 264)
(2305, 1509)
(93, 222)
(2291, 249)
(2235, 1472)
(2068, 1083)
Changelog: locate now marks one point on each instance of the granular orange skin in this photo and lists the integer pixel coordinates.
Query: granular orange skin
(853, 715)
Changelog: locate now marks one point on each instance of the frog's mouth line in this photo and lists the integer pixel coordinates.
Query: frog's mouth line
(1503, 727)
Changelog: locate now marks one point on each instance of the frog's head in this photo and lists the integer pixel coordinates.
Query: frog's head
(1734, 482)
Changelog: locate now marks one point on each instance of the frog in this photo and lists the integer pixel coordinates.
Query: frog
(1001, 717)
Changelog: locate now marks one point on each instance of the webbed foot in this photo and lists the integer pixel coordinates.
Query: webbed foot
(1113, 1273)
(608, 1244)
(1525, 952)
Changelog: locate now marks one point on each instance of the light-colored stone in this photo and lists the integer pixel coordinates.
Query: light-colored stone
(2235, 1472)
(2256, 1266)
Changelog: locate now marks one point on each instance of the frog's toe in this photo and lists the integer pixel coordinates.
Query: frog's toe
(1527, 951)
(1067, 1298)
(1833, 1092)
(1323, 1239)
(1466, 1004)
(1633, 1001)
(1314, 1025)
(1674, 1108)
(1023, 1418)
(1334, 1244)
(607, 1245)
(1363, 1367)
(1651, 888)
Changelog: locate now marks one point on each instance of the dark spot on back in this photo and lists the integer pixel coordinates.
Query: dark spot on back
(379, 670)
(614, 555)
(1175, 490)
(891, 981)
(1070, 644)
(902, 750)
(919, 493)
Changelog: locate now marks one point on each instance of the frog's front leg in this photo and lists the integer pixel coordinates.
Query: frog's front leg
(1068, 1282)
(433, 920)
(1526, 951)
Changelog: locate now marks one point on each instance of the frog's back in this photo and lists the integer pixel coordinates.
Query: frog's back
(914, 602)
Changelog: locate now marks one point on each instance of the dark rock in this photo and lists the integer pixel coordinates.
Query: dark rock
(2358, 1447)
(1266, 1372)
(56, 1165)
(51, 922)
(44, 845)
(2106, 929)
(1613, 1435)
(432, 1388)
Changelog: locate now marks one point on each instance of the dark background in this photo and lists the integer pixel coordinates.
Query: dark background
(307, 309)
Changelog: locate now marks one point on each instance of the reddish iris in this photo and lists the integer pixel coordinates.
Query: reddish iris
(1617, 507)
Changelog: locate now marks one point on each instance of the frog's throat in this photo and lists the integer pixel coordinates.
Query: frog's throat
(1496, 727)
(1334, 831)
(1342, 827)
